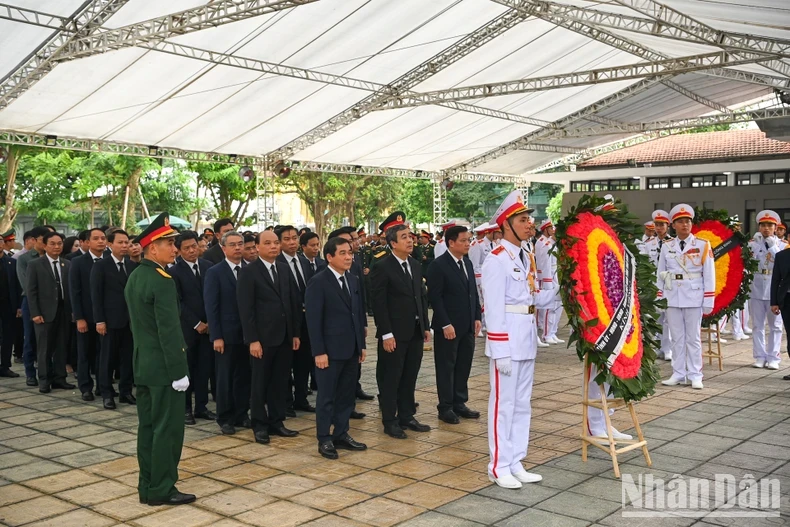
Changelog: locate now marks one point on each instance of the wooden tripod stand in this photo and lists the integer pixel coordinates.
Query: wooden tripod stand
(709, 353)
(609, 444)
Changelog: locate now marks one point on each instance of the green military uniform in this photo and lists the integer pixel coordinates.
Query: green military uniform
(159, 360)
(379, 252)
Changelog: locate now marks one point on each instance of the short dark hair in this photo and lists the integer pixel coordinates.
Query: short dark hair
(90, 232)
(249, 237)
(335, 233)
(305, 238)
(283, 229)
(51, 234)
(221, 223)
(27, 236)
(186, 236)
(451, 234)
(392, 232)
(330, 247)
(84, 235)
(50, 228)
(116, 232)
(207, 230)
(37, 232)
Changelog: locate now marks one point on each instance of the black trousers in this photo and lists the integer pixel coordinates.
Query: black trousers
(51, 342)
(785, 311)
(199, 359)
(453, 360)
(19, 337)
(396, 375)
(270, 386)
(72, 353)
(88, 353)
(7, 338)
(117, 349)
(302, 365)
(233, 384)
(335, 400)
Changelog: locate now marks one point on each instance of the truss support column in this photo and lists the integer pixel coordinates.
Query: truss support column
(264, 196)
(523, 187)
(439, 203)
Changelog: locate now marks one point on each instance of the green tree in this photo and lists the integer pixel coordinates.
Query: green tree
(473, 201)
(554, 208)
(415, 198)
(229, 194)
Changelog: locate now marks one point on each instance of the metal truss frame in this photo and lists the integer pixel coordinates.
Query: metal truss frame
(88, 19)
(35, 18)
(695, 97)
(439, 202)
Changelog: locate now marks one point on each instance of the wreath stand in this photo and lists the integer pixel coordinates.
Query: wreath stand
(709, 353)
(609, 445)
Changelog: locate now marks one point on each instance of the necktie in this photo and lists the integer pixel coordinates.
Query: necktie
(406, 269)
(274, 275)
(96, 260)
(660, 243)
(461, 267)
(197, 271)
(299, 279)
(682, 245)
(523, 258)
(236, 271)
(344, 287)
(312, 266)
(57, 278)
(121, 269)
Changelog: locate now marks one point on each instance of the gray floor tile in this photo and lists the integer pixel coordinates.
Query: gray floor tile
(578, 506)
(539, 518)
(34, 470)
(435, 519)
(528, 495)
(559, 478)
(88, 457)
(480, 509)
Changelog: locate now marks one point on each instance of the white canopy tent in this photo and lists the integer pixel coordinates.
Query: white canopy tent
(462, 89)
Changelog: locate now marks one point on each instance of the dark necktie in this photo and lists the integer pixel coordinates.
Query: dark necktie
(57, 278)
(299, 279)
(121, 269)
(523, 258)
(96, 260)
(345, 287)
(312, 266)
(461, 267)
(197, 271)
(236, 271)
(406, 269)
(682, 245)
(275, 278)
(660, 243)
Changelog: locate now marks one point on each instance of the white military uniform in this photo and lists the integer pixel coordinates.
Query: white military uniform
(547, 274)
(687, 279)
(652, 248)
(766, 353)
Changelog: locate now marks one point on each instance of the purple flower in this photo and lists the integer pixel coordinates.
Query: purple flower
(613, 278)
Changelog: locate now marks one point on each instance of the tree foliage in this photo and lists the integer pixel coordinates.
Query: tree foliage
(554, 208)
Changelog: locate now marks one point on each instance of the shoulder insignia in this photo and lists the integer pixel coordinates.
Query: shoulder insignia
(163, 273)
(498, 250)
(379, 254)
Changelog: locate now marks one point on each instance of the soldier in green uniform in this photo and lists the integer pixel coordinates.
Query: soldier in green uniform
(426, 250)
(160, 366)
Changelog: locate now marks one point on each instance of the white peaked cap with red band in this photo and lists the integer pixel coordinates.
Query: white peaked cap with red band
(546, 224)
(660, 216)
(483, 227)
(513, 204)
(681, 210)
(768, 216)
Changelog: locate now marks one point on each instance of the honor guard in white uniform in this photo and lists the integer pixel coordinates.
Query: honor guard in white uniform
(441, 247)
(652, 248)
(740, 317)
(477, 254)
(687, 279)
(511, 297)
(764, 247)
(547, 273)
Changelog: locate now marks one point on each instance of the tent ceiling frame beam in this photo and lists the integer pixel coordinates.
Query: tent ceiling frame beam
(334, 168)
(35, 18)
(695, 97)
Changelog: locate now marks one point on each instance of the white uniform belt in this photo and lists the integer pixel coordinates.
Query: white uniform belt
(686, 276)
(764, 271)
(521, 310)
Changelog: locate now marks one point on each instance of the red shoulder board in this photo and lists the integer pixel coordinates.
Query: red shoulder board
(498, 250)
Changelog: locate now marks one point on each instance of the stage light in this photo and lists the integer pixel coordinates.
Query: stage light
(51, 140)
(3, 155)
(447, 184)
(246, 173)
(153, 151)
(281, 170)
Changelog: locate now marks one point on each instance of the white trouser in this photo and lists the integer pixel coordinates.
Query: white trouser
(596, 423)
(738, 322)
(509, 414)
(770, 350)
(747, 316)
(541, 321)
(666, 335)
(555, 315)
(684, 324)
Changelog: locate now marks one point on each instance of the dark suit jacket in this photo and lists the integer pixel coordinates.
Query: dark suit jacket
(75, 254)
(335, 322)
(398, 301)
(107, 285)
(42, 290)
(320, 264)
(453, 296)
(214, 254)
(13, 286)
(270, 313)
(80, 287)
(305, 267)
(222, 307)
(780, 280)
(190, 296)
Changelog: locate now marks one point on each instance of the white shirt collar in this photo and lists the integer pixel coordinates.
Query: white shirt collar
(232, 265)
(51, 261)
(291, 258)
(337, 275)
(267, 264)
(400, 262)
(116, 260)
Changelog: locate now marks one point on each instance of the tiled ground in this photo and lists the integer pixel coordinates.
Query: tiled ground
(68, 463)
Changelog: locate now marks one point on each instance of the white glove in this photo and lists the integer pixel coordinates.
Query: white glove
(770, 241)
(181, 385)
(504, 366)
(758, 236)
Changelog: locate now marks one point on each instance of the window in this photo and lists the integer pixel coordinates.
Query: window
(774, 178)
(658, 183)
(747, 179)
(766, 178)
(603, 185)
(718, 180)
(580, 186)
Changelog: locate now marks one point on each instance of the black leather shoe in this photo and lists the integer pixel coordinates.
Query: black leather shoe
(356, 415)
(449, 417)
(395, 431)
(290, 412)
(128, 399)
(364, 396)
(31, 381)
(786, 378)
(227, 429)
(44, 388)
(63, 385)
(347, 443)
(178, 498)
(143, 500)
(309, 391)
(305, 407)
(328, 450)
(262, 437)
(245, 423)
(109, 404)
(208, 415)
(6, 372)
(88, 396)
(282, 431)
(467, 413)
(416, 426)
(189, 419)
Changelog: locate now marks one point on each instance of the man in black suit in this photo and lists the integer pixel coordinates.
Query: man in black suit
(271, 313)
(10, 311)
(456, 321)
(780, 290)
(336, 322)
(303, 359)
(108, 280)
(189, 274)
(88, 342)
(224, 329)
(311, 246)
(215, 254)
(400, 308)
(50, 310)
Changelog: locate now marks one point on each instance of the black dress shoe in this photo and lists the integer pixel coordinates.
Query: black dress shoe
(245, 423)
(262, 437)
(109, 404)
(6, 372)
(63, 385)
(309, 391)
(88, 396)
(786, 378)
(449, 417)
(290, 412)
(178, 498)
(208, 415)
(128, 399)
(31, 381)
(189, 419)
(467, 413)
(282, 431)
(364, 396)
(227, 429)
(143, 500)
(395, 431)
(327, 450)
(44, 388)
(305, 407)
(416, 426)
(347, 443)
(18, 360)
(356, 415)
